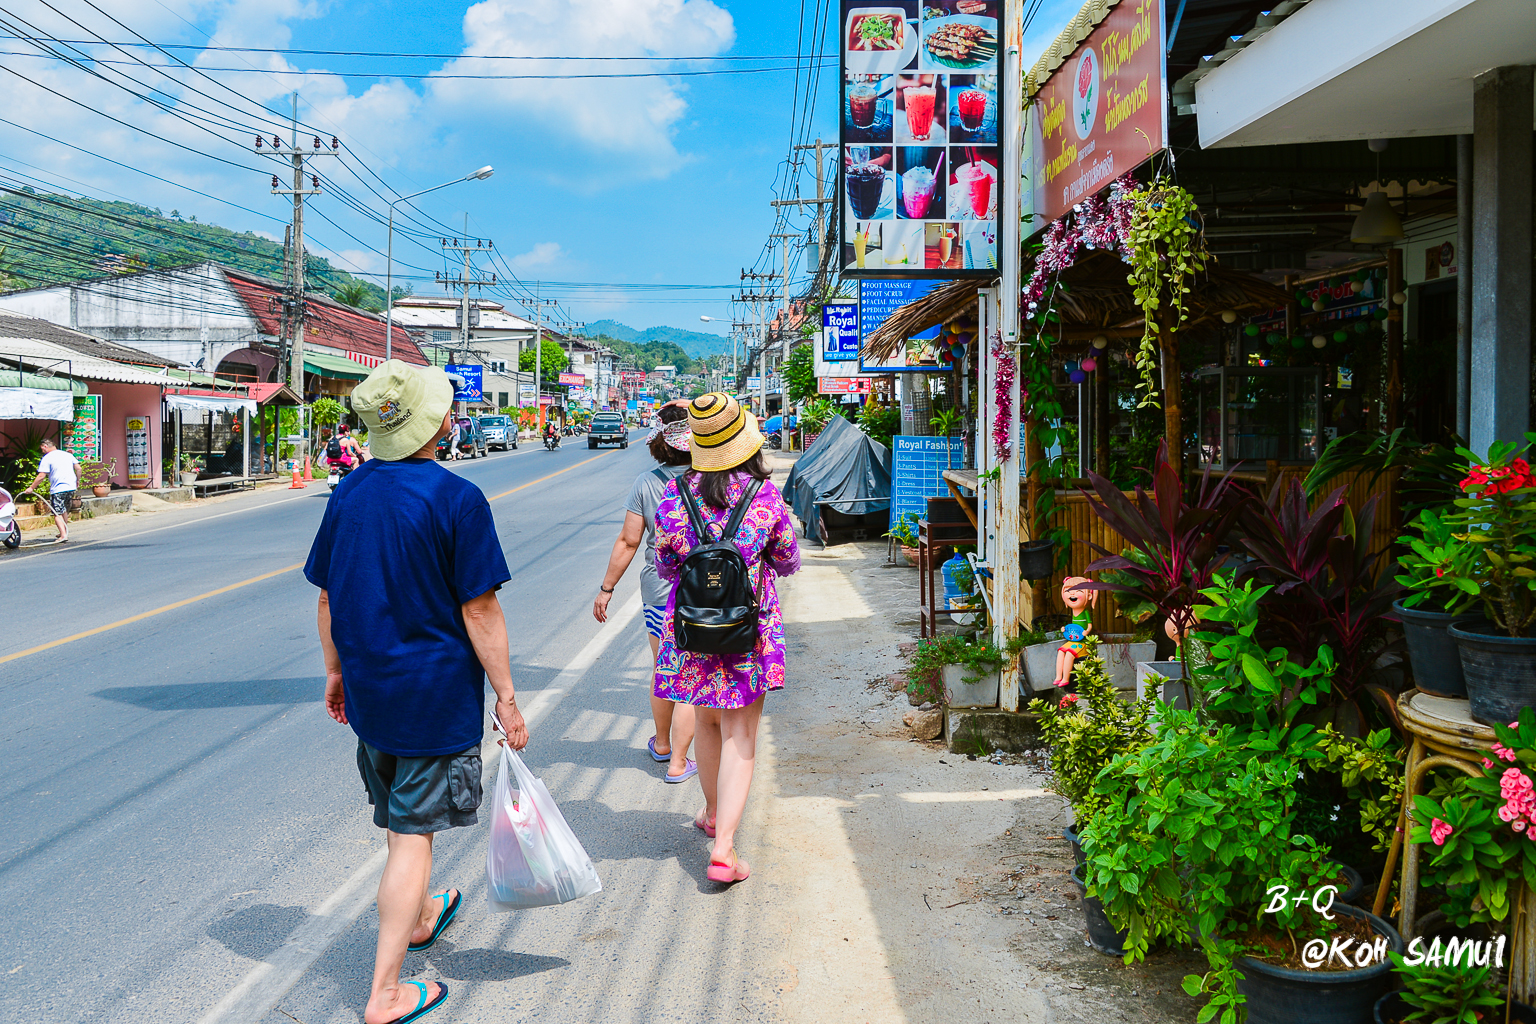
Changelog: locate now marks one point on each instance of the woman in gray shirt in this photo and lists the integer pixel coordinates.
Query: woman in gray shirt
(669, 446)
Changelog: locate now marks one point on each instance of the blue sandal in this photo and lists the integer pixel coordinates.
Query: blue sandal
(655, 756)
(423, 1008)
(444, 919)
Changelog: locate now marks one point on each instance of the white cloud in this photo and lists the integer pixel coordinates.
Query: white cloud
(541, 255)
(631, 117)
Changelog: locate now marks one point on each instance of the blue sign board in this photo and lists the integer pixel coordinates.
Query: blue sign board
(917, 467)
(841, 320)
(633, 405)
(468, 387)
(877, 301)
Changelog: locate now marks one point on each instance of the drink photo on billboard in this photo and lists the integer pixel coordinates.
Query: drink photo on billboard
(920, 170)
(868, 103)
(903, 248)
(870, 181)
(973, 109)
(958, 35)
(973, 183)
(865, 247)
(920, 105)
(978, 242)
(941, 246)
(879, 38)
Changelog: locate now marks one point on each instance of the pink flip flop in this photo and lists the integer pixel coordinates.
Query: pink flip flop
(706, 827)
(729, 874)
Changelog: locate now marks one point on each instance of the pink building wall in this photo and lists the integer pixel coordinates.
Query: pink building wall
(118, 402)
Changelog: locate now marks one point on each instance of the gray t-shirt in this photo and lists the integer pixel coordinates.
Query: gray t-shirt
(643, 499)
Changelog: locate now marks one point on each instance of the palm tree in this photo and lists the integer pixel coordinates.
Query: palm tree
(357, 294)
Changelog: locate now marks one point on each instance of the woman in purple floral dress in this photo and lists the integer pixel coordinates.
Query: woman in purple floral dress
(727, 690)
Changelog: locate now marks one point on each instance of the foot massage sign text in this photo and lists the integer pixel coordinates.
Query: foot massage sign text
(921, 120)
(1102, 113)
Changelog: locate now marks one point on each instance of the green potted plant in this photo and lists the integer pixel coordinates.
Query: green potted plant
(191, 466)
(904, 533)
(98, 476)
(1495, 521)
(1432, 653)
(1436, 995)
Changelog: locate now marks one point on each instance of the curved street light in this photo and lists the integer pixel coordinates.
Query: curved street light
(389, 259)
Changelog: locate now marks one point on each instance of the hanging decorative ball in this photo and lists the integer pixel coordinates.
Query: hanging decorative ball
(1077, 376)
(1398, 298)
(1071, 366)
(1318, 341)
(1379, 313)
(1361, 326)
(1319, 305)
(1357, 286)
(1298, 342)
(1301, 297)
(1340, 335)
(1229, 316)
(1090, 364)
(1271, 338)
(1252, 330)
(1100, 341)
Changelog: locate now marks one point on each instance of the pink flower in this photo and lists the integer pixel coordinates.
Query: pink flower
(1509, 812)
(1487, 764)
(1439, 831)
(1503, 752)
(1513, 782)
(1518, 826)
(1530, 834)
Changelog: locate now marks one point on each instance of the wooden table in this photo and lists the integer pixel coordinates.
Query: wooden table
(958, 480)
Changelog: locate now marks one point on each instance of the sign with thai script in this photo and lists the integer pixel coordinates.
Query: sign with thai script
(82, 438)
(1102, 113)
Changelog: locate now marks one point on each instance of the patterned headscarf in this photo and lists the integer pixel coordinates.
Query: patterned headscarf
(676, 434)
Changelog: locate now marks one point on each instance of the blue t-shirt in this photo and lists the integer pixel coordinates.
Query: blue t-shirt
(402, 546)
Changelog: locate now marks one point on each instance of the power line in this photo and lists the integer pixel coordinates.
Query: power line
(423, 56)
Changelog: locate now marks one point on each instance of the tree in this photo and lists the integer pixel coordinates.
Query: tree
(555, 361)
(357, 294)
(327, 412)
(800, 374)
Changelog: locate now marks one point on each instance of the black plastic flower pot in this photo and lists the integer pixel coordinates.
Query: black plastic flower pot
(1355, 885)
(1281, 995)
(1101, 934)
(1500, 671)
(1391, 1009)
(1432, 652)
(1070, 835)
(1037, 559)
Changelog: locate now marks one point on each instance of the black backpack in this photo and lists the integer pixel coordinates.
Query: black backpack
(333, 448)
(715, 611)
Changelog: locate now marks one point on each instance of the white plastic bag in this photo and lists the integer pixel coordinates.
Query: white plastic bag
(534, 858)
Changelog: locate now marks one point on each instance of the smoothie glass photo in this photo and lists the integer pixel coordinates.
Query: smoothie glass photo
(919, 101)
(973, 109)
(917, 188)
(866, 184)
(974, 182)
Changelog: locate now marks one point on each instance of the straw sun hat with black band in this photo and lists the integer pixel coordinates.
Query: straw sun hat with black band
(724, 436)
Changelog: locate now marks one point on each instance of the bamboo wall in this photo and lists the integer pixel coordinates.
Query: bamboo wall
(1074, 513)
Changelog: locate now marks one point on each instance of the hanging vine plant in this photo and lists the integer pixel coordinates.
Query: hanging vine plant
(1165, 246)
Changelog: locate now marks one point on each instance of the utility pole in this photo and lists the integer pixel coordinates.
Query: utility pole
(538, 306)
(818, 204)
(784, 346)
(464, 281)
(760, 324)
(298, 192)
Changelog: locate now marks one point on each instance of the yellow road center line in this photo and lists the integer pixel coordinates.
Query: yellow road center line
(149, 614)
(551, 476)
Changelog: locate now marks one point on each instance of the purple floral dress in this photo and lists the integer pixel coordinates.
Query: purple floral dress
(766, 535)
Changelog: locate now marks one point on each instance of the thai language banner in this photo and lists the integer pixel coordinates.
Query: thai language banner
(1102, 113)
(919, 130)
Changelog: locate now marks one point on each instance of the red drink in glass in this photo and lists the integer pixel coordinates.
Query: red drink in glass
(973, 109)
(978, 183)
(861, 105)
(919, 100)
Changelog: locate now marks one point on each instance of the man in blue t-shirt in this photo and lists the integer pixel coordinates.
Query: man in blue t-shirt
(408, 565)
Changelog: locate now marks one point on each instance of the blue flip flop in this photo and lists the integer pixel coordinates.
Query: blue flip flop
(423, 1008)
(689, 772)
(444, 919)
(655, 756)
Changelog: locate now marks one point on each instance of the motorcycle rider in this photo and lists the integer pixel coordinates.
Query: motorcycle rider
(551, 434)
(342, 452)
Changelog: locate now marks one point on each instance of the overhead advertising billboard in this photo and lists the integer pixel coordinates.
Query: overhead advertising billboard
(576, 379)
(840, 323)
(877, 301)
(1102, 113)
(468, 382)
(920, 125)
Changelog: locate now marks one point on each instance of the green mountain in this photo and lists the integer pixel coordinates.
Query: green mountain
(695, 343)
(50, 238)
(650, 354)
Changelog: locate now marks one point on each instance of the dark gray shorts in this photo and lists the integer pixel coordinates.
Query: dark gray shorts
(420, 795)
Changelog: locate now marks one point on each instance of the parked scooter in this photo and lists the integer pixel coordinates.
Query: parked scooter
(10, 530)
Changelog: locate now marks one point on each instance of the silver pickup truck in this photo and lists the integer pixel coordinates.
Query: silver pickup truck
(500, 432)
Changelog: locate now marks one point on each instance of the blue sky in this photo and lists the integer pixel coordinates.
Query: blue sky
(620, 185)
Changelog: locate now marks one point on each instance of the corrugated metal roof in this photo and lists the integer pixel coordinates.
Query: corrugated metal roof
(13, 325)
(36, 352)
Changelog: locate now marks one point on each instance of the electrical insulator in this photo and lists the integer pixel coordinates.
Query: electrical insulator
(493, 279)
(275, 182)
(314, 181)
(490, 245)
(317, 142)
(258, 142)
(277, 143)
(334, 143)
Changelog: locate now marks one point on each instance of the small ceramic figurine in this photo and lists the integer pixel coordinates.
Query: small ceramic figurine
(1067, 654)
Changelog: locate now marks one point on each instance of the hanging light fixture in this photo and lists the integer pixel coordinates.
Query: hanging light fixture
(1377, 223)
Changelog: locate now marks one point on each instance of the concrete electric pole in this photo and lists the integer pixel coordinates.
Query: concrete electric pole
(464, 281)
(538, 306)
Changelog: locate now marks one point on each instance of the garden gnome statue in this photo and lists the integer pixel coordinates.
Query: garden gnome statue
(1079, 600)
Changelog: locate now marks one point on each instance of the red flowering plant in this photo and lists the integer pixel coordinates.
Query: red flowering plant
(1482, 832)
(1482, 550)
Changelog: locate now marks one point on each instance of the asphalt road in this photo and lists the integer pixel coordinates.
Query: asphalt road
(183, 835)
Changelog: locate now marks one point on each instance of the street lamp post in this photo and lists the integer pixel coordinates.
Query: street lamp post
(389, 258)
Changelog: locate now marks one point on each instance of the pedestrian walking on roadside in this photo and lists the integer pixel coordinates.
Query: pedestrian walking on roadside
(674, 722)
(455, 435)
(726, 690)
(63, 472)
(408, 564)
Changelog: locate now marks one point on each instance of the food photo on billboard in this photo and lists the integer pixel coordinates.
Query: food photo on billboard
(973, 183)
(903, 248)
(959, 35)
(868, 102)
(920, 104)
(973, 109)
(978, 245)
(879, 38)
(866, 245)
(920, 176)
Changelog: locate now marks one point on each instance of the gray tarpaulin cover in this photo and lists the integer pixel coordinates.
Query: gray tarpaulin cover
(844, 467)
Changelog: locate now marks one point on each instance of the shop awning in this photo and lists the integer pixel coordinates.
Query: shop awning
(273, 394)
(209, 403)
(336, 367)
(21, 379)
(36, 404)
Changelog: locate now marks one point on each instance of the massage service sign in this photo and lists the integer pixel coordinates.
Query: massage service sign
(1102, 113)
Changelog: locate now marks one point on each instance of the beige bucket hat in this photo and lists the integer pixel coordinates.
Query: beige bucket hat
(403, 407)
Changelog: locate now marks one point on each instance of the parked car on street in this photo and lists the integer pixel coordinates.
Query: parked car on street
(500, 432)
(471, 440)
(608, 428)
